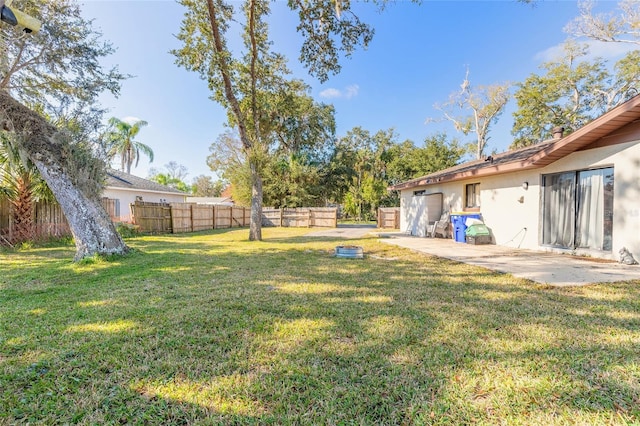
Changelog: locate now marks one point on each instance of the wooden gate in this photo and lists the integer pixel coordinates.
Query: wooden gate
(389, 217)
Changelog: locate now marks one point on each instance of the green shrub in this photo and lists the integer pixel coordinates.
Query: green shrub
(127, 230)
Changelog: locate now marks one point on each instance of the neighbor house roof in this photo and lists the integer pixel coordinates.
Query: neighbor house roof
(210, 200)
(535, 156)
(121, 180)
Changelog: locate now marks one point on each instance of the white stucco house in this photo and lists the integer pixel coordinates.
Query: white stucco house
(124, 189)
(578, 193)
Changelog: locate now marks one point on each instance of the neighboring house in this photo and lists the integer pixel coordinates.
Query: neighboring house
(223, 201)
(577, 194)
(125, 189)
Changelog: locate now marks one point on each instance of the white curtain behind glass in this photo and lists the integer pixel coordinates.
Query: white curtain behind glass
(559, 211)
(590, 225)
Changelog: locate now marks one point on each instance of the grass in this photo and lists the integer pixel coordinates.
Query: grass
(207, 328)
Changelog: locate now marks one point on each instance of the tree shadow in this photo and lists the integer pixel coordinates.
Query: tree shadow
(190, 331)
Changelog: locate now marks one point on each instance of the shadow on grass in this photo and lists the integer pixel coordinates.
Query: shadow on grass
(205, 328)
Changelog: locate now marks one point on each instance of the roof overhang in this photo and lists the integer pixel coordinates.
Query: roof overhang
(140, 190)
(602, 126)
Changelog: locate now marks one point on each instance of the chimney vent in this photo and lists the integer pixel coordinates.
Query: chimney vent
(558, 132)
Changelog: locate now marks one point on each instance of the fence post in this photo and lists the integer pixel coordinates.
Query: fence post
(309, 218)
(281, 213)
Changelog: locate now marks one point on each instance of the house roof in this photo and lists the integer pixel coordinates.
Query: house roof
(117, 179)
(210, 200)
(535, 156)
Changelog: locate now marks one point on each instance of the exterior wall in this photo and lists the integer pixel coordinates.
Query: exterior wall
(128, 197)
(510, 211)
(409, 208)
(513, 213)
(420, 212)
(625, 159)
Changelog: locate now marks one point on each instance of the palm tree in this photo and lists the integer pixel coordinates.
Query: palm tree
(22, 185)
(120, 141)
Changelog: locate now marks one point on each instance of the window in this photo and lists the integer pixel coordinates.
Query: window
(472, 194)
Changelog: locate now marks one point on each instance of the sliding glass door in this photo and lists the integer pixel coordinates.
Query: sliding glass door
(578, 209)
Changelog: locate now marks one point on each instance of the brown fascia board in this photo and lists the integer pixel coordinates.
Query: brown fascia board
(474, 172)
(501, 163)
(548, 153)
(618, 117)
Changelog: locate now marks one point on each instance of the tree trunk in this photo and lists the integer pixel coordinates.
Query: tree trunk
(255, 226)
(22, 211)
(222, 62)
(92, 229)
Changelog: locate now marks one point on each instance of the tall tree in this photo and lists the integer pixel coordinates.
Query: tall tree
(57, 72)
(473, 110)
(173, 176)
(248, 85)
(205, 186)
(623, 27)
(120, 142)
(69, 170)
(293, 180)
(227, 159)
(408, 161)
(302, 134)
(572, 91)
(363, 159)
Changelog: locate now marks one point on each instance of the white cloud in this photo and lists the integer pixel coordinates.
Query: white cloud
(612, 51)
(597, 49)
(330, 93)
(352, 91)
(348, 93)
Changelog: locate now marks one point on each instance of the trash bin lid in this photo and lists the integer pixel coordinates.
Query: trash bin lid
(479, 229)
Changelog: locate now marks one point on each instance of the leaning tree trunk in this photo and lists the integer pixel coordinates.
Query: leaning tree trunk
(92, 229)
(255, 226)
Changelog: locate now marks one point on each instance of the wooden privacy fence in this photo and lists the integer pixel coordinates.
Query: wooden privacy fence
(389, 217)
(187, 217)
(303, 217)
(152, 217)
(48, 221)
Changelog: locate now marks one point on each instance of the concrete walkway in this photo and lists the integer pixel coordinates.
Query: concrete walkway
(541, 267)
(344, 231)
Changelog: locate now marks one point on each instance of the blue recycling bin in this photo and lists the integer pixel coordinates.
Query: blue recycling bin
(458, 222)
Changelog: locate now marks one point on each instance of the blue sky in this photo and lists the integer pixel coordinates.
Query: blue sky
(419, 55)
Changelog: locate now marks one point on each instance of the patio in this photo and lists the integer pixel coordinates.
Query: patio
(545, 268)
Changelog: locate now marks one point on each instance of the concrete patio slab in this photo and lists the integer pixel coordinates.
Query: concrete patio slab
(344, 231)
(545, 268)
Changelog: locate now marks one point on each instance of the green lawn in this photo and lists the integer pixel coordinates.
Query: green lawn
(208, 328)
